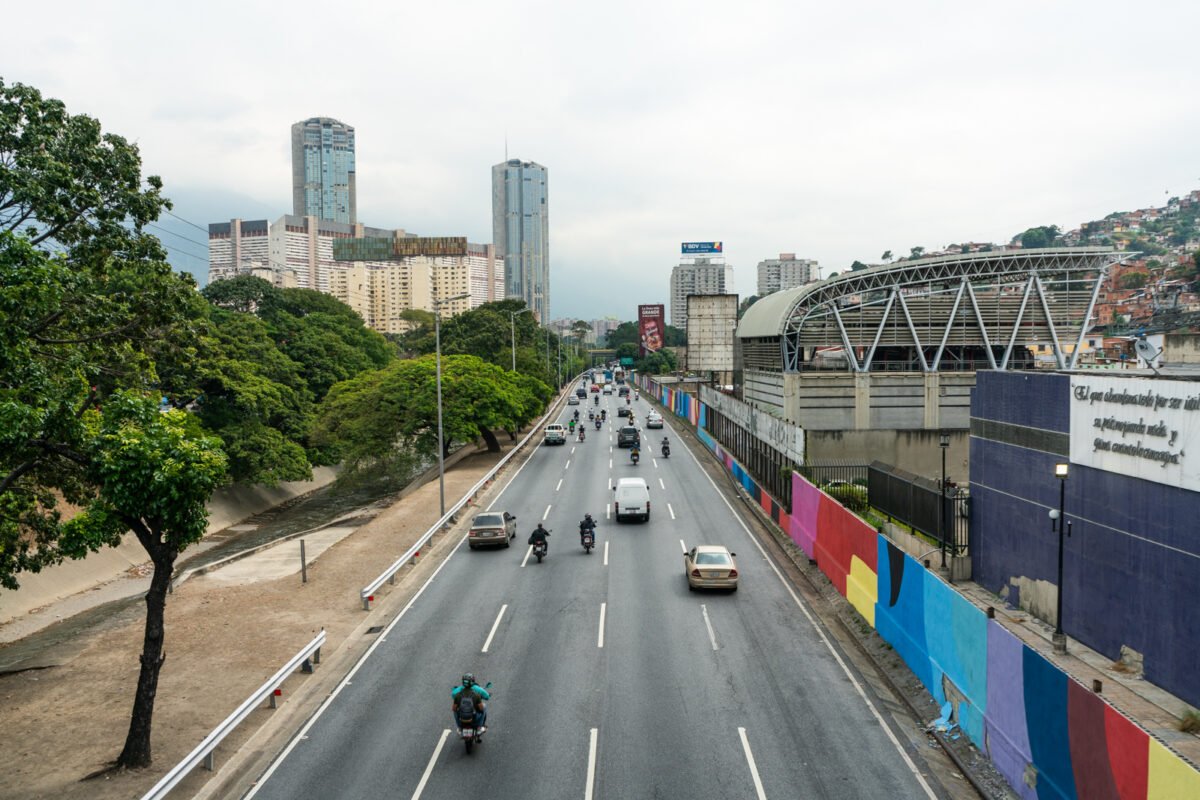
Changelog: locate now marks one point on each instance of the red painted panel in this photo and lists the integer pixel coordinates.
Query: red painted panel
(1089, 745)
(1128, 754)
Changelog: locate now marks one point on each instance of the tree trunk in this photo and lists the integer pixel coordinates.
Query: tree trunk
(137, 742)
(493, 444)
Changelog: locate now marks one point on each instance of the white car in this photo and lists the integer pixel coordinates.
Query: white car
(654, 420)
(572, 400)
(608, 388)
(555, 434)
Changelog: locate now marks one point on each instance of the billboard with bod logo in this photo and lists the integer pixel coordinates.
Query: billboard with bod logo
(650, 326)
(700, 248)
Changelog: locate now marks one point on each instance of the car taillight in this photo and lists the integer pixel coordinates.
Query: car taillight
(647, 506)
(695, 573)
(733, 573)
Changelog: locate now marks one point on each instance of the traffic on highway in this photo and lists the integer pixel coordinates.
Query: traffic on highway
(663, 656)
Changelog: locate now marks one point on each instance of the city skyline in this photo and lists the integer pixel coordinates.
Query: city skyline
(880, 146)
(324, 179)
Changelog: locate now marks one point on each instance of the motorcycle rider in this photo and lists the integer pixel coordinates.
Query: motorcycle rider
(604, 413)
(635, 454)
(598, 423)
(585, 525)
(540, 535)
(582, 429)
(473, 691)
(666, 447)
(577, 415)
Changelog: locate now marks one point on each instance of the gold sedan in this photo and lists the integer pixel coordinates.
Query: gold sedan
(710, 566)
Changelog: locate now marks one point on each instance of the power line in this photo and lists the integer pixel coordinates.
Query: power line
(179, 235)
(189, 222)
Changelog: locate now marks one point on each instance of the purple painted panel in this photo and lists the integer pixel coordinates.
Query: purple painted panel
(806, 499)
(1007, 735)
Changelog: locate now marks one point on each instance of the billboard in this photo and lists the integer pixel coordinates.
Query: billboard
(701, 248)
(651, 322)
(386, 248)
(1141, 427)
(711, 321)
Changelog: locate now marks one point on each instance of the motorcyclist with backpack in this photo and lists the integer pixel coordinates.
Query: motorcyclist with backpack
(587, 524)
(468, 701)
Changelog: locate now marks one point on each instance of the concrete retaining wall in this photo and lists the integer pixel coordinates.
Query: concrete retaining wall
(228, 506)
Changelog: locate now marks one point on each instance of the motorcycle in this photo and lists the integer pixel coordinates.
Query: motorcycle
(666, 450)
(588, 539)
(581, 433)
(635, 456)
(597, 423)
(539, 550)
(597, 399)
(468, 731)
(604, 413)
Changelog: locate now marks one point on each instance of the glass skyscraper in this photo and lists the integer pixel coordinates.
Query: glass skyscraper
(521, 232)
(323, 180)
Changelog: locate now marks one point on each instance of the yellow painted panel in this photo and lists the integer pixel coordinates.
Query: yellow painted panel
(862, 588)
(1170, 776)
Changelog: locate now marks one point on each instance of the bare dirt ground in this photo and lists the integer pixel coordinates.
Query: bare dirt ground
(62, 723)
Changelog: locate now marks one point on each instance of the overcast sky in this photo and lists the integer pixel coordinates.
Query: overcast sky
(832, 130)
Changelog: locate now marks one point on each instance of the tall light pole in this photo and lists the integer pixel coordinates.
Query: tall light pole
(437, 344)
(512, 325)
(944, 444)
(1057, 520)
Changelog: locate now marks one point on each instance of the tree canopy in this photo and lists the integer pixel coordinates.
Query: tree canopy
(368, 418)
(1043, 236)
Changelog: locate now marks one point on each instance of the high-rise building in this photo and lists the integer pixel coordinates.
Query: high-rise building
(323, 177)
(784, 272)
(298, 252)
(521, 232)
(697, 276)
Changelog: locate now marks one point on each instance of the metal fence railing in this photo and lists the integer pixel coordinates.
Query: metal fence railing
(913, 500)
(203, 752)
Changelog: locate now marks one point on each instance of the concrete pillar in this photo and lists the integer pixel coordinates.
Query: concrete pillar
(933, 400)
(862, 400)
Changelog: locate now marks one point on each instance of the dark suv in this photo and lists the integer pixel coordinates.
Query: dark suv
(628, 437)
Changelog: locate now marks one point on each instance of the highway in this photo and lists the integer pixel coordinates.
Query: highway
(610, 679)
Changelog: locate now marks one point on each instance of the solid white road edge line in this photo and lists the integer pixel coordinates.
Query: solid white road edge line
(528, 553)
(820, 633)
(758, 787)
(547, 512)
(600, 638)
(712, 637)
(437, 751)
(671, 510)
(496, 624)
(606, 552)
(303, 734)
(591, 772)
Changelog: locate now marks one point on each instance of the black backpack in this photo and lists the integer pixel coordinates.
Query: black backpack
(466, 706)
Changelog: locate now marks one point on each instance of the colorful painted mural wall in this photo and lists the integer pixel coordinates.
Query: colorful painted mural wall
(1049, 735)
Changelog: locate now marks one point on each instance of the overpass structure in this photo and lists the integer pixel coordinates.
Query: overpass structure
(896, 347)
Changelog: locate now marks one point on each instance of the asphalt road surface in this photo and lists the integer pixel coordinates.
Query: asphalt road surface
(610, 679)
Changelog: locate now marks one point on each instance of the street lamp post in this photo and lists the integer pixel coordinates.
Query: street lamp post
(512, 325)
(944, 444)
(437, 344)
(1057, 518)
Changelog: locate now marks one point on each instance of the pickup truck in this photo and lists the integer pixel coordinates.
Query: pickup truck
(555, 434)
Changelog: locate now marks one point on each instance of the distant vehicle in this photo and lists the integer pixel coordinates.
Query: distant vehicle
(622, 391)
(555, 434)
(632, 499)
(628, 436)
(573, 400)
(710, 566)
(608, 388)
(654, 420)
(595, 387)
(608, 376)
(624, 411)
(581, 392)
(619, 374)
(492, 528)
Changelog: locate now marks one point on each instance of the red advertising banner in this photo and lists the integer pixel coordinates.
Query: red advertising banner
(651, 326)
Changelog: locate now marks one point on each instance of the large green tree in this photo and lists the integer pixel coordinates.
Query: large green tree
(88, 307)
(372, 416)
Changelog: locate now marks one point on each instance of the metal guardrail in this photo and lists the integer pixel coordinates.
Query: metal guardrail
(204, 751)
(389, 575)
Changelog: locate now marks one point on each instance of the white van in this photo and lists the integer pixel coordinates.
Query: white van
(632, 499)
